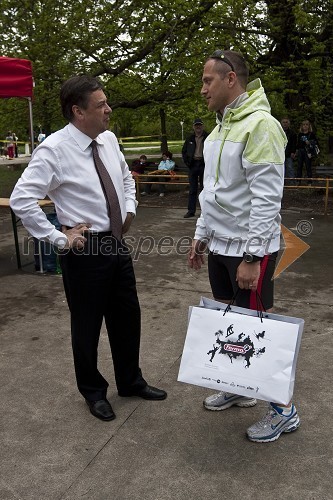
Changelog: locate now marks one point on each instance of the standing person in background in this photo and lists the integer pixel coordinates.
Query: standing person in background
(83, 171)
(240, 204)
(10, 145)
(15, 139)
(192, 153)
(290, 152)
(41, 137)
(306, 142)
(121, 146)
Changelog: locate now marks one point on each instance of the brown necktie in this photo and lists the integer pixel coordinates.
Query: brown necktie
(109, 193)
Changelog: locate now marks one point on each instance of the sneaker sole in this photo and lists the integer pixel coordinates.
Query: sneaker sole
(293, 427)
(243, 404)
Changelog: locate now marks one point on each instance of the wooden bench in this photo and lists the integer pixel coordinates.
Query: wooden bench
(324, 171)
(176, 179)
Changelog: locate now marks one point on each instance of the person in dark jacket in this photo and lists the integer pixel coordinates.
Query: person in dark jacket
(138, 166)
(290, 152)
(306, 150)
(192, 154)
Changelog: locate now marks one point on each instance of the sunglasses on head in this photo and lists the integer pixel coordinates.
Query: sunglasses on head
(219, 54)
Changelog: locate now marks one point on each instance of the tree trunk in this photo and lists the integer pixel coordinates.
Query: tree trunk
(164, 140)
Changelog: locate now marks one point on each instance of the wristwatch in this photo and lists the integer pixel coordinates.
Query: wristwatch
(248, 257)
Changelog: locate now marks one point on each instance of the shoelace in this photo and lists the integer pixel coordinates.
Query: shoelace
(268, 417)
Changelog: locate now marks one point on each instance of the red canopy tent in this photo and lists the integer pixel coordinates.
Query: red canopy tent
(16, 80)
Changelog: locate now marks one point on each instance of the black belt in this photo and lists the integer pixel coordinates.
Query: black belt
(95, 234)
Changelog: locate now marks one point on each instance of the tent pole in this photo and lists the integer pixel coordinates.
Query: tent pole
(32, 139)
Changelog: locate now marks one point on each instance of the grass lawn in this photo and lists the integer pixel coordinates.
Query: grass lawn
(151, 148)
(8, 179)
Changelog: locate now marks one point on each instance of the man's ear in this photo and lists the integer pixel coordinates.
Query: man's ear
(77, 112)
(232, 79)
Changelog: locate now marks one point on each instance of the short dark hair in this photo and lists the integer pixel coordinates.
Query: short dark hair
(76, 91)
(168, 154)
(235, 61)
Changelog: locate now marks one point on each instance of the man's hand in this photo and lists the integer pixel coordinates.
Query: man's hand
(128, 222)
(195, 256)
(247, 275)
(75, 238)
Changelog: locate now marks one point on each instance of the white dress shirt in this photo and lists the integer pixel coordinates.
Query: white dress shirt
(62, 167)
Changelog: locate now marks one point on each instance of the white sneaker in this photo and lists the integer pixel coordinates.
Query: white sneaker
(223, 400)
(273, 424)
(143, 193)
(161, 194)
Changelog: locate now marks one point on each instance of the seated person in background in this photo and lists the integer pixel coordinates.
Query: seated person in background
(167, 162)
(165, 166)
(138, 166)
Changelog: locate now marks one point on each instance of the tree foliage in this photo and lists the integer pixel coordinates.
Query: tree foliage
(150, 55)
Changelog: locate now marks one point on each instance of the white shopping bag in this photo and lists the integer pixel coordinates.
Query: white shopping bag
(238, 352)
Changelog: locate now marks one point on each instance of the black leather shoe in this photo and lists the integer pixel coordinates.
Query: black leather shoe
(101, 409)
(148, 392)
(188, 215)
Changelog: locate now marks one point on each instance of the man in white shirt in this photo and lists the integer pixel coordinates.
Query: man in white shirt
(97, 269)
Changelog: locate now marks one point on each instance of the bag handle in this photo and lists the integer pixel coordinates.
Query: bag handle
(231, 303)
(260, 305)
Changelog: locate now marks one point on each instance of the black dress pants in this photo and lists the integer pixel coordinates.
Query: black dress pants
(99, 283)
(195, 175)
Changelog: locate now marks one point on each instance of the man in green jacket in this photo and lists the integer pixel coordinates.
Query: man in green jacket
(240, 203)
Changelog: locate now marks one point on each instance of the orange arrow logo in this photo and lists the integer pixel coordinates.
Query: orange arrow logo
(294, 247)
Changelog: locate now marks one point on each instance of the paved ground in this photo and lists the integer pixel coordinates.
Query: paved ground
(52, 448)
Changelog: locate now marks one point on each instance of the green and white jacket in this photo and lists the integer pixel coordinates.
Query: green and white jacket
(243, 181)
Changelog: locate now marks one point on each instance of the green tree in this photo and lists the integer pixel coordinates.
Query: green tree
(150, 55)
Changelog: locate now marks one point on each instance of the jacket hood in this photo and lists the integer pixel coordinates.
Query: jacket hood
(239, 108)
